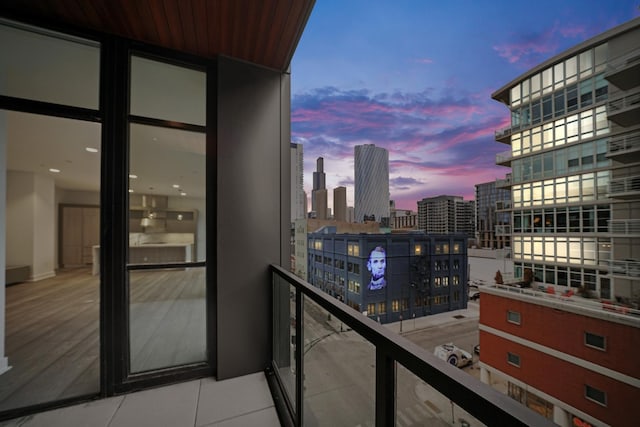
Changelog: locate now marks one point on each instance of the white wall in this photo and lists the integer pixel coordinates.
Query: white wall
(30, 237)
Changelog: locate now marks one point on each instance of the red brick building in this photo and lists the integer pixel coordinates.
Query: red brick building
(571, 359)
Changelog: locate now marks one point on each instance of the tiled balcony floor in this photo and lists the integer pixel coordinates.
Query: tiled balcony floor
(237, 402)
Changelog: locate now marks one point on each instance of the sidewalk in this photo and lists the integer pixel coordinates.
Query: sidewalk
(471, 312)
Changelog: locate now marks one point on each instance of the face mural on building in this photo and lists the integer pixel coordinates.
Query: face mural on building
(377, 264)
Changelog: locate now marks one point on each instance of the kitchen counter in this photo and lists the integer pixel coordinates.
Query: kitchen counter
(151, 253)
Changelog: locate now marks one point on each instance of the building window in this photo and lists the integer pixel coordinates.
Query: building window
(595, 395)
(417, 249)
(371, 308)
(437, 282)
(456, 248)
(595, 341)
(513, 317)
(513, 359)
(353, 249)
(405, 304)
(456, 296)
(317, 244)
(395, 305)
(456, 280)
(382, 307)
(445, 281)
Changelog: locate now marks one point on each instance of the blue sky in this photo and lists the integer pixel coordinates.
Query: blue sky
(416, 78)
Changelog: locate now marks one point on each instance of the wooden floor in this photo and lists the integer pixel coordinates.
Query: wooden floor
(52, 331)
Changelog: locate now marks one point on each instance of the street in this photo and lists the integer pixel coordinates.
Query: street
(339, 368)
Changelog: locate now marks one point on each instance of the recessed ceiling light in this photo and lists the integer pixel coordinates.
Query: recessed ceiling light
(132, 176)
(91, 149)
(183, 194)
(131, 190)
(176, 186)
(54, 170)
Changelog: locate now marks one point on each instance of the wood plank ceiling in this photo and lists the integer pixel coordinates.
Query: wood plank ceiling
(264, 32)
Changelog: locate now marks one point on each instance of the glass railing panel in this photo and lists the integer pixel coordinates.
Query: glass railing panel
(339, 372)
(419, 404)
(284, 335)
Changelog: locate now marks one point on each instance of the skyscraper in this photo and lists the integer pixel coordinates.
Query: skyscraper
(319, 178)
(340, 203)
(297, 190)
(371, 182)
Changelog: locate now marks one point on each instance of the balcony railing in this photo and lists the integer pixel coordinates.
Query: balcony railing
(332, 365)
(626, 187)
(568, 299)
(624, 110)
(504, 158)
(623, 71)
(624, 144)
(503, 135)
(627, 267)
(627, 227)
(503, 205)
(503, 183)
(503, 230)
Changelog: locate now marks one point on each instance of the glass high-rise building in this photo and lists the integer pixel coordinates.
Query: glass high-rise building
(371, 183)
(574, 153)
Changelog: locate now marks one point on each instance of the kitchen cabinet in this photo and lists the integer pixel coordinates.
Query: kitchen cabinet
(79, 231)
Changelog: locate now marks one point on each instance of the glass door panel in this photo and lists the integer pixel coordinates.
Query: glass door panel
(167, 229)
(50, 176)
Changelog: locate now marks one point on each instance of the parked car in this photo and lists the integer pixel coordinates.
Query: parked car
(453, 355)
(474, 295)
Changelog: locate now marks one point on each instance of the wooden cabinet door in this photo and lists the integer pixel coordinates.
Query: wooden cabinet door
(71, 236)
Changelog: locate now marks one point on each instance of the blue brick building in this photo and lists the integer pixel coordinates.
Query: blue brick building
(386, 276)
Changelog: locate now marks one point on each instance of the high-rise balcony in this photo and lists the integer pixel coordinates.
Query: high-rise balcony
(504, 158)
(625, 148)
(332, 365)
(625, 110)
(504, 183)
(628, 268)
(504, 135)
(623, 72)
(625, 227)
(503, 205)
(627, 188)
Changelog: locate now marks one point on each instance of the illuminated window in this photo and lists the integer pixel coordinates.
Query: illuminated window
(371, 308)
(417, 249)
(437, 282)
(356, 286)
(405, 304)
(317, 244)
(445, 281)
(456, 280)
(353, 249)
(456, 248)
(395, 305)
(595, 395)
(513, 359)
(382, 307)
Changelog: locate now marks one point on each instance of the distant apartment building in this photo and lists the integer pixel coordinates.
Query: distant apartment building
(493, 229)
(390, 277)
(371, 189)
(340, 203)
(446, 214)
(566, 344)
(403, 219)
(298, 196)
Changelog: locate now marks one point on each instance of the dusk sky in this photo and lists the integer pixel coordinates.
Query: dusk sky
(416, 77)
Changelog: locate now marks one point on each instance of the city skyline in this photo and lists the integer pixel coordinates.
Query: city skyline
(409, 78)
